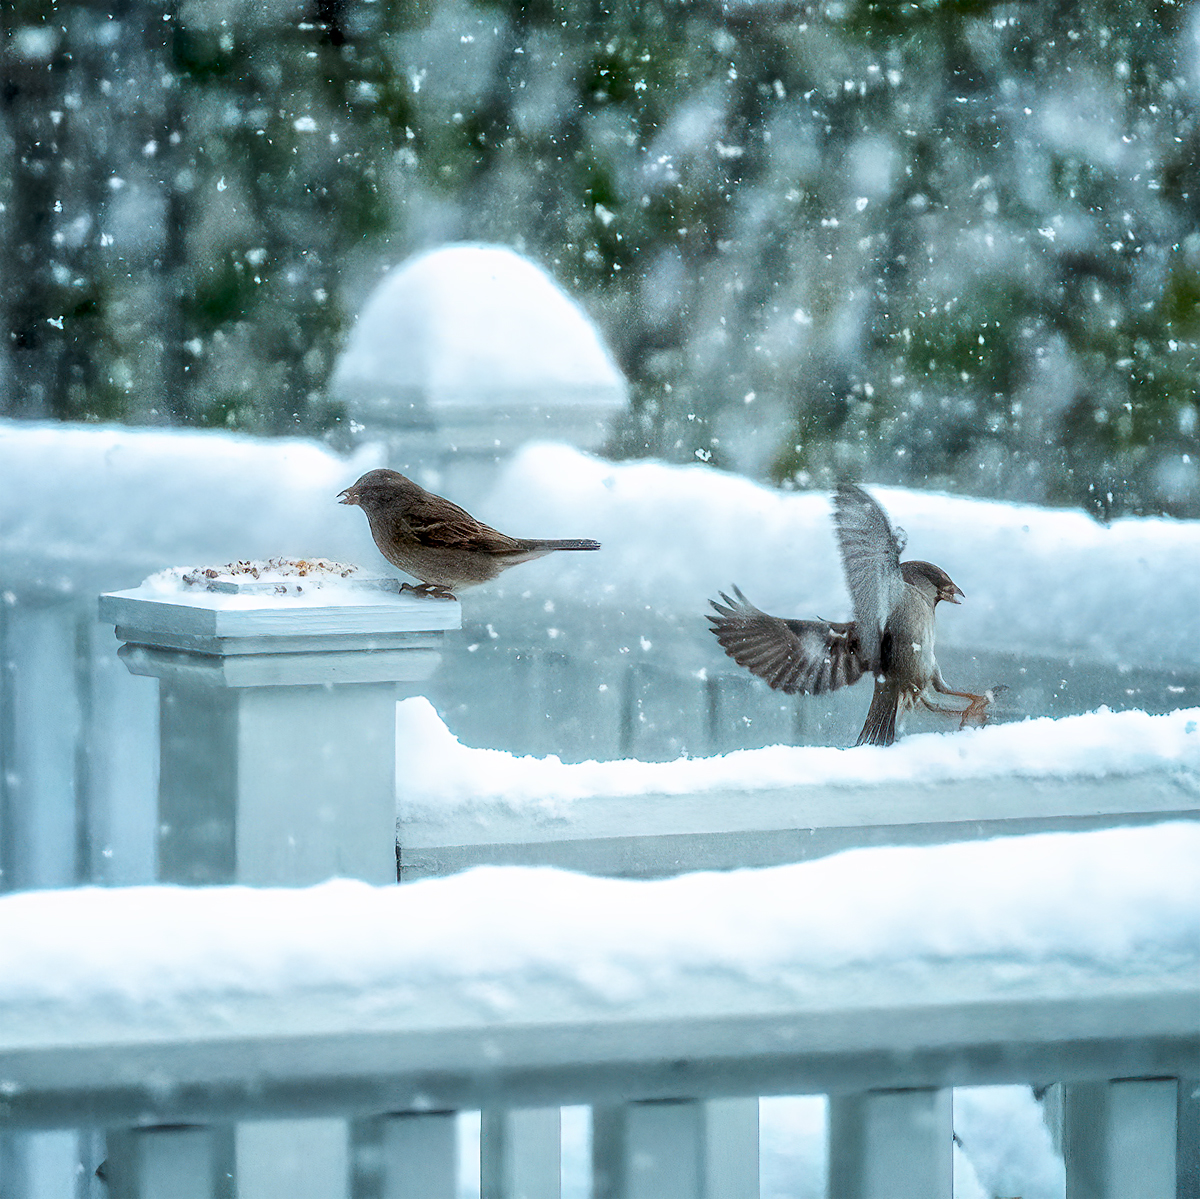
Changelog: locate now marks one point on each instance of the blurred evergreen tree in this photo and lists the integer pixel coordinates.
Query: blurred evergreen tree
(950, 243)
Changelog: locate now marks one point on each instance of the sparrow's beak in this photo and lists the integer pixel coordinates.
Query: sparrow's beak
(950, 594)
(348, 496)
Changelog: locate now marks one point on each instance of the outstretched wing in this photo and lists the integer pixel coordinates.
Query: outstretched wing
(808, 656)
(439, 524)
(871, 559)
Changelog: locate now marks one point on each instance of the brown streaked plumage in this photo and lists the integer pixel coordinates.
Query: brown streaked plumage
(435, 540)
(890, 637)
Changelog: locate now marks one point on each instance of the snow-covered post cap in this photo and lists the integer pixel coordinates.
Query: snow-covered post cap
(278, 623)
(277, 690)
(474, 349)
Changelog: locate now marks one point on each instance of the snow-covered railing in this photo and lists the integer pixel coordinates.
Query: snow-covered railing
(670, 1007)
(601, 656)
(622, 662)
(461, 806)
(1057, 957)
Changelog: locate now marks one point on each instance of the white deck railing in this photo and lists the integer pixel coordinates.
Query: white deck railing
(603, 658)
(277, 767)
(247, 1005)
(462, 806)
(346, 1016)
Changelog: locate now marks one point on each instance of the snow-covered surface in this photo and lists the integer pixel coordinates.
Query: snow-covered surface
(1007, 1141)
(267, 583)
(1039, 580)
(469, 324)
(83, 504)
(1050, 915)
(438, 774)
(266, 576)
(91, 508)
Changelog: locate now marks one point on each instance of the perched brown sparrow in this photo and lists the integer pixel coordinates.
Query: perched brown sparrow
(891, 634)
(437, 541)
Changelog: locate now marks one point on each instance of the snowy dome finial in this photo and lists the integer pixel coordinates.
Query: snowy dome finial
(481, 346)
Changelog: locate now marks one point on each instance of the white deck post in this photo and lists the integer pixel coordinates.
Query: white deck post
(520, 1153)
(277, 748)
(277, 727)
(892, 1145)
(678, 1149)
(1119, 1139)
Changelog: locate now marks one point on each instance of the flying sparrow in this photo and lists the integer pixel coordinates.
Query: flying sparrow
(891, 635)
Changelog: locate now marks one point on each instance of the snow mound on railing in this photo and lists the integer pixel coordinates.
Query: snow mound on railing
(492, 942)
(87, 506)
(437, 773)
(81, 505)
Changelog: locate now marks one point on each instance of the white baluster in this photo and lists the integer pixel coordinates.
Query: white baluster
(520, 1153)
(420, 1156)
(892, 1145)
(163, 1163)
(1119, 1139)
(679, 1149)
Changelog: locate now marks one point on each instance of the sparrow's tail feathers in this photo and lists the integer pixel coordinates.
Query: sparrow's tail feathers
(576, 543)
(880, 726)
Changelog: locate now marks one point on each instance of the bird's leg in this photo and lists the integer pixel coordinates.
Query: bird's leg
(977, 705)
(429, 590)
(975, 710)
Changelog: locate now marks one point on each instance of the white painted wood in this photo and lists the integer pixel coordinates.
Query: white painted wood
(1119, 1139)
(520, 1153)
(278, 768)
(212, 614)
(255, 784)
(1187, 1117)
(39, 1165)
(41, 730)
(648, 1150)
(865, 812)
(420, 1156)
(162, 1163)
(731, 1167)
(364, 663)
(892, 1145)
(433, 1046)
(292, 1159)
(676, 1149)
(259, 751)
(122, 759)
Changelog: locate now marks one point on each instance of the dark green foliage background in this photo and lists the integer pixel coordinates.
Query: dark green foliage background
(948, 244)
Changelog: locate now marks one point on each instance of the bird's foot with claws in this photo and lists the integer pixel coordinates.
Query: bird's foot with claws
(428, 590)
(979, 709)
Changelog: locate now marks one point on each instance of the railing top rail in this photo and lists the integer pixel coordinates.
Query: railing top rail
(1025, 959)
(461, 806)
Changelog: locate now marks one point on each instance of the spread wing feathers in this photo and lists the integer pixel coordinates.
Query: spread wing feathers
(871, 559)
(438, 523)
(808, 656)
